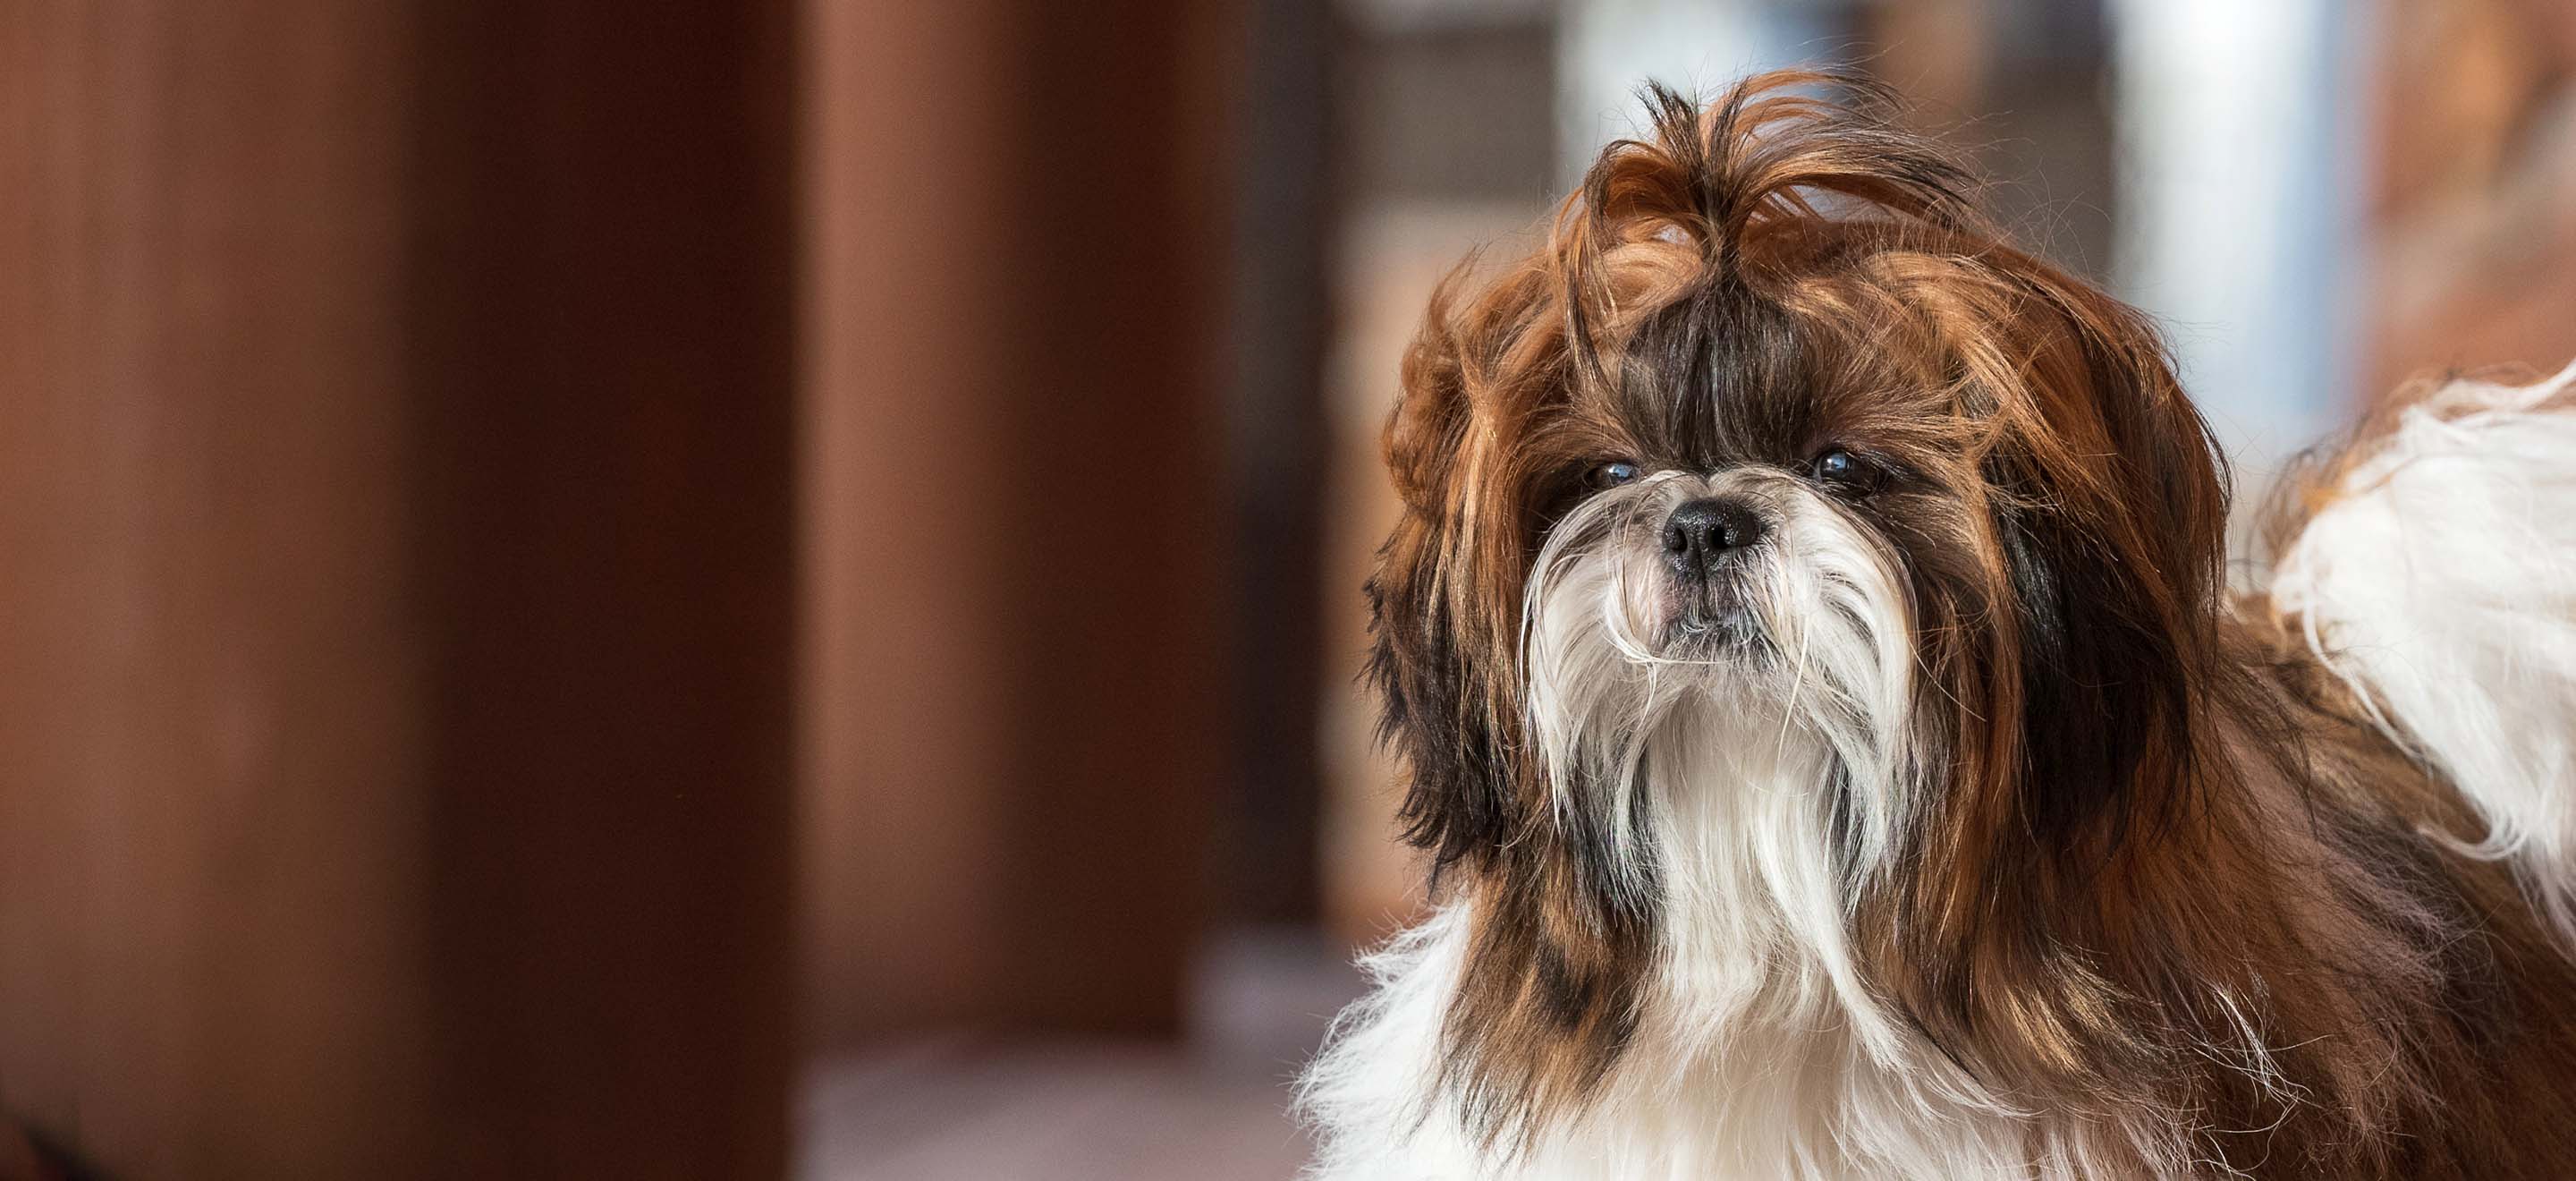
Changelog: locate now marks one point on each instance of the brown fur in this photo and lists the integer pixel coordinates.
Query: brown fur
(2169, 853)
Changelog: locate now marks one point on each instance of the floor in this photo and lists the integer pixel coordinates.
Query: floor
(1213, 1108)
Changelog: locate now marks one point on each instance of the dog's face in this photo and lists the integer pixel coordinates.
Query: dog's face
(1774, 442)
(1755, 525)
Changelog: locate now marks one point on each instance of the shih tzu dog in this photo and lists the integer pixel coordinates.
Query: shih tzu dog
(1840, 752)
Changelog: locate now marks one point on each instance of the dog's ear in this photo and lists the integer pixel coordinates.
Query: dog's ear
(1444, 597)
(2110, 517)
(2078, 675)
(1458, 800)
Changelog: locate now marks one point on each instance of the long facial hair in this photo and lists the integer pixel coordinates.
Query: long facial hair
(1977, 758)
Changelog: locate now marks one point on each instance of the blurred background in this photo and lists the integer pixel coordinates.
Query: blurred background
(742, 590)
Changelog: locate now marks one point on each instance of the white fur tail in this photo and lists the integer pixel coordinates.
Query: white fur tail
(2439, 581)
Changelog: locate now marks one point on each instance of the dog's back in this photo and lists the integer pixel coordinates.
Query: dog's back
(2431, 564)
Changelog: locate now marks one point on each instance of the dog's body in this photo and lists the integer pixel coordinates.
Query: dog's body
(1858, 766)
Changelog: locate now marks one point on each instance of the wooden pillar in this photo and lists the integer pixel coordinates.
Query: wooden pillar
(396, 623)
(602, 271)
(1016, 495)
(213, 757)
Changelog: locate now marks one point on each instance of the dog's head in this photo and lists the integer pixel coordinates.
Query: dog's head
(1775, 442)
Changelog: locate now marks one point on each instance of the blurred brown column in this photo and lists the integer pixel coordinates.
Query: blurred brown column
(603, 272)
(395, 625)
(1016, 497)
(213, 753)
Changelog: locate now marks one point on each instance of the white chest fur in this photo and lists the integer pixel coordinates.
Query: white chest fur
(1783, 1088)
(1759, 1052)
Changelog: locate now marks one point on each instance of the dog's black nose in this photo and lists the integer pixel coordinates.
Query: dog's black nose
(1702, 531)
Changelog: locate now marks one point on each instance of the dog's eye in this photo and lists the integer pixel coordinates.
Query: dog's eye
(1843, 469)
(1612, 474)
